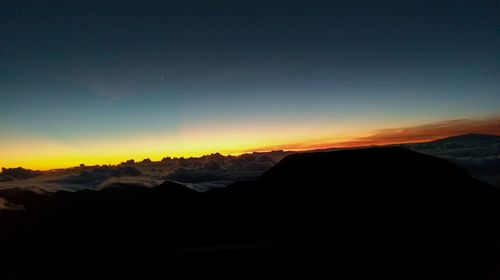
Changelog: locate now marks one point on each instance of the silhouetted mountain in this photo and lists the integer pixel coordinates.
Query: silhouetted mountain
(473, 137)
(352, 214)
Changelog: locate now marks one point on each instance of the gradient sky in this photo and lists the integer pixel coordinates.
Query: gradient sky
(104, 81)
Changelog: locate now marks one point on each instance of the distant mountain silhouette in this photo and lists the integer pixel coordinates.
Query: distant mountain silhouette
(351, 214)
(472, 137)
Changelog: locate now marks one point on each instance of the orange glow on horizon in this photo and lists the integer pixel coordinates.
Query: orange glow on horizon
(45, 154)
(413, 134)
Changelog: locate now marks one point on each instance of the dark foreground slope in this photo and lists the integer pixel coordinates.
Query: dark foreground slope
(350, 214)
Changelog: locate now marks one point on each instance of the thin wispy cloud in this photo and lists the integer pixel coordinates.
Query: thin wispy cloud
(396, 135)
(427, 132)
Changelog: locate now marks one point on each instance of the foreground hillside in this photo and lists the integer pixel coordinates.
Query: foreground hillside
(379, 212)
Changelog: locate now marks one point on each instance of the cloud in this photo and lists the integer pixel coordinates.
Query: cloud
(398, 135)
(18, 173)
(7, 178)
(95, 176)
(212, 165)
(426, 132)
(128, 182)
(216, 167)
(209, 170)
(6, 205)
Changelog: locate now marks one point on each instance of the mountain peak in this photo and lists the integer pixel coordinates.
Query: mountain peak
(471, 137)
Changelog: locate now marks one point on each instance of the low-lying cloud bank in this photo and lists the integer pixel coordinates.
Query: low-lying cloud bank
(6, 205)
(220, 168)
(200, 173)
(9, 174)
(478, 154)
(97, 175)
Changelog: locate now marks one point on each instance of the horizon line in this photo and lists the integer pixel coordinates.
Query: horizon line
(269, 149)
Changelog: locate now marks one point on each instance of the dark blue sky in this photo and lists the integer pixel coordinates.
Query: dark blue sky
(73, 70)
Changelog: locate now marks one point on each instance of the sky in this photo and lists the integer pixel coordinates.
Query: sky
(100, 82)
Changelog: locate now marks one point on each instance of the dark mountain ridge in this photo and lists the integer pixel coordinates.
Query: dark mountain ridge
(471, 137)
(351, 214)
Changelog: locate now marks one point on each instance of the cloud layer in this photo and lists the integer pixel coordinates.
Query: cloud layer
(6, 205)
(427, 132)
(398, 135)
